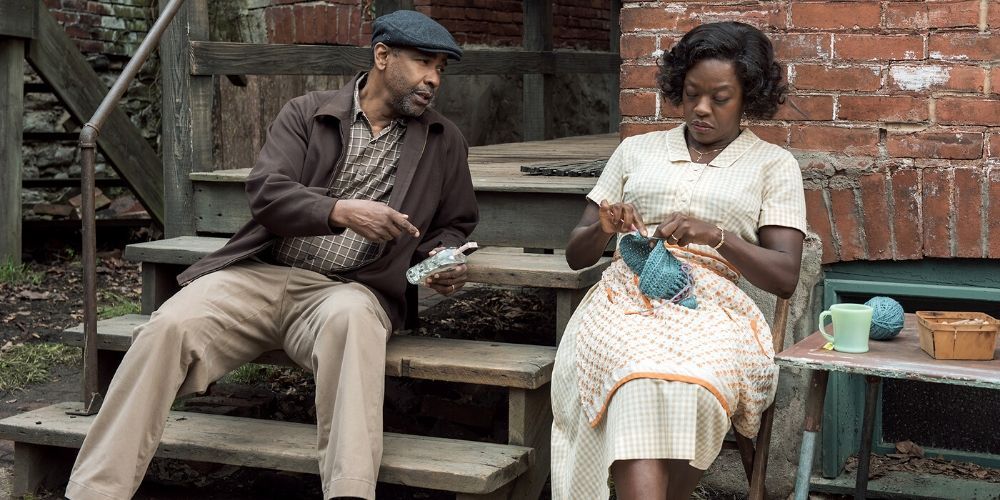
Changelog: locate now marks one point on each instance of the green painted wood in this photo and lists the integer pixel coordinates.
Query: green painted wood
(424, 462)
(226, 58)
(187, 115)
(55, 58)
(908, 485)
(11, 124)
(954, 272)
(842, 414)
(19, 18)
(428, 358)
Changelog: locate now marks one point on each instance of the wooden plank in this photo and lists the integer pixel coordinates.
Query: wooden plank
(19, 18)
(485, 266)
(11, 124)
(909, 486)
(383, 7)
(228, 58)
(426, 462)
(536, 88)
(530, 424)
(186, 117)
(39, 467)
(614, 113)
(425, 358)
(56, 59)
(899, 358)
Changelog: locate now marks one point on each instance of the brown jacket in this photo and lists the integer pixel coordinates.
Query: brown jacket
(288, 191)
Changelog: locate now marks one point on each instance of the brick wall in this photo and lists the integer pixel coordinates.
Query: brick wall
(106, 27)
(900, 142)
(580, 24)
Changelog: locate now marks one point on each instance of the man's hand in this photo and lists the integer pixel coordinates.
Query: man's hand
(449, 281)
(372, 220)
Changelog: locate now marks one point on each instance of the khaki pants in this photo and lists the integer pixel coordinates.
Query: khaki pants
(336, 330)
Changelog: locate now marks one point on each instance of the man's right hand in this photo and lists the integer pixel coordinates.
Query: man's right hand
(372, 220)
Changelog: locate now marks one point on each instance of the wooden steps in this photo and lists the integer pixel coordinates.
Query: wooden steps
(426, 462)
(485, 266)
(450, 360)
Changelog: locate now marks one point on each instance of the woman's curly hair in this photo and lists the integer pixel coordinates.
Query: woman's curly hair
(746, 47)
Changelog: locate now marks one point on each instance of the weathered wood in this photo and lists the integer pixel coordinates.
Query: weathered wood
(11, 123)
(868, 429)
(37, 467)
(56, 59)
(228, 58)
(159, 283)
(568, 299)
(19, 18)
(426, 358)
(902, 485)
(537, 88)
(485, 266)
(186, 116)
(614, 112)
(746, 449)
(530, 424)
(383, 7)
(899, 358)
(427, 462)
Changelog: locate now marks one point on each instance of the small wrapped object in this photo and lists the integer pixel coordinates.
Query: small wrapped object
(445, 259)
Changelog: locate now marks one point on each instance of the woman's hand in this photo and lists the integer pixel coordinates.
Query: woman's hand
(620, 218)
(682, 230)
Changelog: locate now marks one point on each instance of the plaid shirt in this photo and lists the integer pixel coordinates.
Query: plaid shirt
(368, 173)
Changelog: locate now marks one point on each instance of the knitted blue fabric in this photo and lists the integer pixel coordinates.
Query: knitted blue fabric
(661, 275)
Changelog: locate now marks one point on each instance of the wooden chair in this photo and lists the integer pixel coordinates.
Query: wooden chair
(754, 454)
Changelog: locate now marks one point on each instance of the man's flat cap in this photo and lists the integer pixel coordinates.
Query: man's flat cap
(409, 28)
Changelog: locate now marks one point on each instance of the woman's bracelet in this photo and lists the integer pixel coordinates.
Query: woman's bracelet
(722, 237)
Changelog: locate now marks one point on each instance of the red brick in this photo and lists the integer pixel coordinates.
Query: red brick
(968, 212)
(639, 77)
(968, 111)
(775, 134)
(847, 223)
(800, 46)
(637, 103)
(878, 47)
(877, 108)
(635, 47)
(923, 15)
(993, 217)
(852, 141)
(929, 77)
(687, 16)
(906, 224)
(936, 198)
(668, 110)
(995, 80)
(875, 207)
(993, 19)
(812, 107)
(280, 25)
(628, 129)
(994, 144)
(853, 78)
(835, 15)
(950, 144)
(818, 217)
(963, 46)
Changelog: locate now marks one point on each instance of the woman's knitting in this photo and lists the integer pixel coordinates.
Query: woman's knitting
(661, 275)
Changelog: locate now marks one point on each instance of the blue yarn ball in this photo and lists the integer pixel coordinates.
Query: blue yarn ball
(887, 318)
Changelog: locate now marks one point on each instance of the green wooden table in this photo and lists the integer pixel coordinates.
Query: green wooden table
(899, 358)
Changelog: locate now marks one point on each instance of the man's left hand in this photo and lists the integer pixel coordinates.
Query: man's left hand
(449, 281)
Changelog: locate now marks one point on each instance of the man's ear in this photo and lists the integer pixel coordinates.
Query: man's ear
(381, 51)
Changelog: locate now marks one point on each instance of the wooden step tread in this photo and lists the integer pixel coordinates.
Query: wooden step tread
(428, 358)
(485, 266)
(425, 462)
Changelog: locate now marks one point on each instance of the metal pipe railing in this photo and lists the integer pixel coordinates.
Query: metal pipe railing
(92, 397)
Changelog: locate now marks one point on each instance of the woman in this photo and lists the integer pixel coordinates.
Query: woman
(647, 388)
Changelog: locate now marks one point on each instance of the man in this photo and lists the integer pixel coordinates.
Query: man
(350, 187)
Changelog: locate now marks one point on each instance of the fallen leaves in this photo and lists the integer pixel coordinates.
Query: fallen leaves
(911, 458)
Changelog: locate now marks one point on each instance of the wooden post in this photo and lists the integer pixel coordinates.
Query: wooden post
(614, 114)
(187, 117)
(537, 37)
(11, 125)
